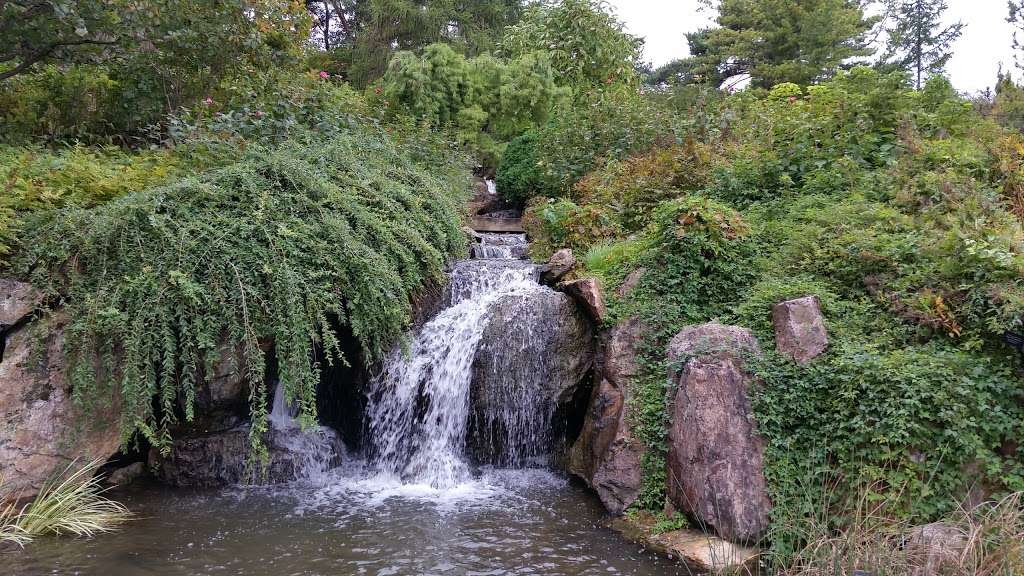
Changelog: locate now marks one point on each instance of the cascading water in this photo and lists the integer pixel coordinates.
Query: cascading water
(312, 452)
(419, 407)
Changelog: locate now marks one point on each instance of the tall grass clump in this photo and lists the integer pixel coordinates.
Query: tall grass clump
(72, 502)
(866, 534)
(279, 248)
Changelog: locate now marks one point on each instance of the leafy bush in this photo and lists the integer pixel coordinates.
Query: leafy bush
(519, 175)
(277, 246)
(596, 128)
(553, 224)
(633, 188)
(57, 104)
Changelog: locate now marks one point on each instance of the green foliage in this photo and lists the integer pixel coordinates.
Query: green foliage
(372, 30)
(276, 247)
(588, 45)
(927, 420)
(633, 188)
(597, 127)
(775, 41)
(486, 101)
(900, 210)
(148, 57)
(519, 175)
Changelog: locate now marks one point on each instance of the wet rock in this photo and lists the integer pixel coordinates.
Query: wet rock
(630, 283)
(587, 291)
(126, 475)
(800, 331)
(17, 300)
(716, 456)
(560, 264)
(220, 458)
(41, 429)
(534, 356)
(699, 552)
(605, 454)
(935, 549)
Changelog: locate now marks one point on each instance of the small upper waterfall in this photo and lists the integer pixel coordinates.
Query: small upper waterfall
(420, 405)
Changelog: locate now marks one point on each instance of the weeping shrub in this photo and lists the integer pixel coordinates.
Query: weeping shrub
(276, 248)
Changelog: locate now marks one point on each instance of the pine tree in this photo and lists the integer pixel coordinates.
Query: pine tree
(774, 41)
(917, 41)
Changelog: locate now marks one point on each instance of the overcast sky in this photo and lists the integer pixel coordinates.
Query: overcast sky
(976, 56)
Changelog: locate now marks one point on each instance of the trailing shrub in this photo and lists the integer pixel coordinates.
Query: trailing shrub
(276, 248)
(35, 178)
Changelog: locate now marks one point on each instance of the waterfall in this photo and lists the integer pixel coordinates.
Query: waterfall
(312, 452)
(419, 406)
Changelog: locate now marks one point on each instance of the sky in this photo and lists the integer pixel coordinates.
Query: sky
(976, 55)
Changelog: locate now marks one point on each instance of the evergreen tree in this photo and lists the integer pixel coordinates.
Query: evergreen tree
(917, 42)
(774, 41)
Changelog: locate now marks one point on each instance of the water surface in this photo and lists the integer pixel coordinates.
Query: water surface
(504, 522)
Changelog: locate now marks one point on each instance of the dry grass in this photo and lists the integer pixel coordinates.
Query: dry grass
(70, 503)
(987, 540)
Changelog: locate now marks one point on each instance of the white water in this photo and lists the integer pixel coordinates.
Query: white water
(419, 406)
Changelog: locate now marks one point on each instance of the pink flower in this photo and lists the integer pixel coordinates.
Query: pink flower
(259, 114)
(324, 75)
(377, 90)
(209, 101)
(792, 99)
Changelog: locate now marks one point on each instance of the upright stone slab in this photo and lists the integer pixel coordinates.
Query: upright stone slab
(800, 331)
(716, 456)
(606, 455)
(42, 430)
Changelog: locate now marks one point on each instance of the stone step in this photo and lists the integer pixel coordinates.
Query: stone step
(485, 224)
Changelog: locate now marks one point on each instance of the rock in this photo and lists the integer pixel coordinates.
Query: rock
(220, 458)
(699, 552)
(935, 549)
(716, 456)
(534, 357)
(630, 283)
(17, 300)
(560, 264)
(587, 292)
(126, 475)
(41, 429)
(605, 455)
(800, 331)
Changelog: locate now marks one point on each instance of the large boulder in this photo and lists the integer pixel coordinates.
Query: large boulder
(936, 549)
(42, 430)
(221, 457)
(605, 454)
(587, 291)
(716, 456)
(534, 357)
(800, 331)
(560, 264)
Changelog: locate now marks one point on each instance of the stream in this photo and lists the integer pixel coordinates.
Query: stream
(415, 502)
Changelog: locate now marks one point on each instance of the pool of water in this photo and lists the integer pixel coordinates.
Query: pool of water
(351, 522)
